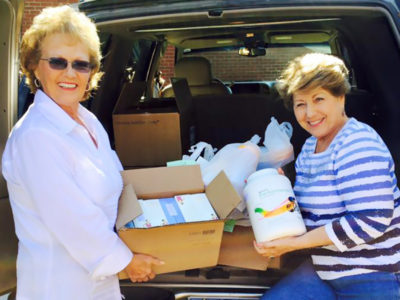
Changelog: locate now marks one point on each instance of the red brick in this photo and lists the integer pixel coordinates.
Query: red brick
(34, 7)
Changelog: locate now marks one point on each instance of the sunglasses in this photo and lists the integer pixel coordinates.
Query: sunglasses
(59, 63)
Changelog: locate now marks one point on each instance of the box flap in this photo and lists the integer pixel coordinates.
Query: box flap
(128, 207)
(130, 95)
(184, 101)
(237, 250)
(164, 182)
(183, 96)
(222, 195)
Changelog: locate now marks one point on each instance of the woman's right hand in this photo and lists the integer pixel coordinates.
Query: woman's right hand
(140, 268)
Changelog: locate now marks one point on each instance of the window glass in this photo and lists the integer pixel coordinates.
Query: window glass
(227, 65)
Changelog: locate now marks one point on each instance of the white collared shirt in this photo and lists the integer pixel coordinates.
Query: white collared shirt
(64, 195)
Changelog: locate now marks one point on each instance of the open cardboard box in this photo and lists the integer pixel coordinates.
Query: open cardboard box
(180, 246)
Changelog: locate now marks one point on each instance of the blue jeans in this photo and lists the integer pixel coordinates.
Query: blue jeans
(304, 284)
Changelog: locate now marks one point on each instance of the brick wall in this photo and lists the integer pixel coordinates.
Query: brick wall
(230, 66)
(34, 7)
(167, 64)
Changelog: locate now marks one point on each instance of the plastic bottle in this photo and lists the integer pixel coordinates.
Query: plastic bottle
(272, 207)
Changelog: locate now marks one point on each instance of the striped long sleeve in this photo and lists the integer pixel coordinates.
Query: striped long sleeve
(365, 186)
(351, 190)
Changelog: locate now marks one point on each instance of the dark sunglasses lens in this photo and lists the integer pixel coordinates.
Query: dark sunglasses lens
(58, 63)
(82, 66)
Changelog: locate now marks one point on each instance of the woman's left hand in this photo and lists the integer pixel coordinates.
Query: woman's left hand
(276, 247)
(311, 239)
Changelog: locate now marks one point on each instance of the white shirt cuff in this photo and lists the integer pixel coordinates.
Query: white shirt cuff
(113, 263)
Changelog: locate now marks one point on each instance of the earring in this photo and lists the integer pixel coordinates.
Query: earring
(37, 83)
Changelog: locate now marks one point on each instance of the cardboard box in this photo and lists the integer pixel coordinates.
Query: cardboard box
(237, 250)
(181, 246)
(147, 138)
(145, 134)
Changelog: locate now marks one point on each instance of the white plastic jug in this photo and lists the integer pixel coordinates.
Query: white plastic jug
(237, 160)
(272, 207)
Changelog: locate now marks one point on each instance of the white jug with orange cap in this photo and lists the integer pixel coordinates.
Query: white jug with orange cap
(272, 206)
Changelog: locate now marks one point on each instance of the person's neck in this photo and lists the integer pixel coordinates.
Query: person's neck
(72, 111)
(323, 143)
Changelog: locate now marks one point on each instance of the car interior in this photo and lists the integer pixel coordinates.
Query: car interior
(137, 45)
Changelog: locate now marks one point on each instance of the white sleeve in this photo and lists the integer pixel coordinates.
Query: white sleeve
(117, 161)
(46, 172)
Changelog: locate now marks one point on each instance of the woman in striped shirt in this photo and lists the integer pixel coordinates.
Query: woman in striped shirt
(346, 189)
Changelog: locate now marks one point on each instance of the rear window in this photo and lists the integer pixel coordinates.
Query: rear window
(228, 66)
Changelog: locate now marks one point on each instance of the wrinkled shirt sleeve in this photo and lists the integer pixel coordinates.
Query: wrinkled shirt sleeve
(117, 161)
(365, 185)
(68, 212)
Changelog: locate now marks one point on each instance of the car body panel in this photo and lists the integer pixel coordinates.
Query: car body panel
(10, 16)
(106, 10)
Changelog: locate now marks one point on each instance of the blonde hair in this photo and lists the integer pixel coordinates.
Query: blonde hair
(310, 71)
(60, 19)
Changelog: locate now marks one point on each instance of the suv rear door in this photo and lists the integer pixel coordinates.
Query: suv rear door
(10, 16)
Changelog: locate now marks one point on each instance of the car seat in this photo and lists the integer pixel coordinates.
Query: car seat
(197, 71)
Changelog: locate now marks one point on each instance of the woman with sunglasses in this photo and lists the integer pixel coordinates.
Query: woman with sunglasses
(63, 177)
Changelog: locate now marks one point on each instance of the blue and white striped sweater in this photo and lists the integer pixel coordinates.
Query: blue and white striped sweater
(351, 189)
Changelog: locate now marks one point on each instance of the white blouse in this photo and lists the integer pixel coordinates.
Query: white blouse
(64, 195)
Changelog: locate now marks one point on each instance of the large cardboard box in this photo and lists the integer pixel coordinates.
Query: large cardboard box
(144, 138)
(145, 134)
(181, 246)
(237, 250)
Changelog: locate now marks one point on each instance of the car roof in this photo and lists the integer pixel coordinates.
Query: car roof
(102, 10)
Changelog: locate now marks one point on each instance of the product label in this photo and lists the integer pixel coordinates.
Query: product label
(288, 205)
(208, 232)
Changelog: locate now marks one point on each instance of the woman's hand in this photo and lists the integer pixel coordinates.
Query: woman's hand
(276, 247)
(140, 267)
(311, 239)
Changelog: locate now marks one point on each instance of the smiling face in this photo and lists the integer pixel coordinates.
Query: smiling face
(320, 113)
(66, 87)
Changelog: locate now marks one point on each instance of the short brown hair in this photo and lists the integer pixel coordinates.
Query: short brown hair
(60, 19)
(310, 71)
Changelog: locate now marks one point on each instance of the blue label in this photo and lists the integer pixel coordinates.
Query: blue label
(172, 211)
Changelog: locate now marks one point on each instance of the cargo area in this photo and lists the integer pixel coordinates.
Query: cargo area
(154, 111)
